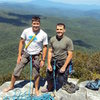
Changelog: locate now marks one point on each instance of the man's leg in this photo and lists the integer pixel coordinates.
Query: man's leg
(13, 79)
(49, 78)
(17, 71)
(50, 85)
(36, 79)
(63, 77)
(37, 85)
(36, 72)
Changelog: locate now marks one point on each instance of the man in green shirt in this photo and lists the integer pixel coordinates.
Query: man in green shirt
(61, 52)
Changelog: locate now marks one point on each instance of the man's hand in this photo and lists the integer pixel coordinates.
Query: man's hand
(62, 69)
(50, 68)
(41, 63)
(19, 59)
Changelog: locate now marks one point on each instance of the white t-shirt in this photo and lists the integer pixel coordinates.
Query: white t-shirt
(36, 45)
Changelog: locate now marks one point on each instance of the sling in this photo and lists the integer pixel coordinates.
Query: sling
(30, 41)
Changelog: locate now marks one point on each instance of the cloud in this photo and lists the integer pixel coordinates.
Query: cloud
(20, 1)
(89, 2)
(77, 1)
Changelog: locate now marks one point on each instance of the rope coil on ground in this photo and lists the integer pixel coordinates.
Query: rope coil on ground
(29, 97)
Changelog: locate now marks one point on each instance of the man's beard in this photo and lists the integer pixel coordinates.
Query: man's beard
(59, 37)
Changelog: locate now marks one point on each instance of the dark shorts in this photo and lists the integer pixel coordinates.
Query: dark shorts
(25, 59)
(62, 77)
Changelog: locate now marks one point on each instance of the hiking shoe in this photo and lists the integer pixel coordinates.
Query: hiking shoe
(66, 86)
(71, 90)
(44, 90)
(70, 87)
(73, 86)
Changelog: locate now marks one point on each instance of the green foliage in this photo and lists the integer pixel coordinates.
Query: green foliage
(5, 78)
(43, 71)
(84, 65)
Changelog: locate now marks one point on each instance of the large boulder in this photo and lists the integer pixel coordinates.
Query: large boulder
(24, 87)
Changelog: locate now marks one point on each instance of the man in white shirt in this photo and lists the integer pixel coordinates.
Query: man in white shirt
(40, 41)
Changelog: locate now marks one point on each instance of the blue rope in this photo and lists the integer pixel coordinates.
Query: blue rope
(24, 96)
(28, 97)
(54, 68)
(30, 73)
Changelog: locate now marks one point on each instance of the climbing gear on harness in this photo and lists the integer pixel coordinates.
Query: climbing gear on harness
(93, 85)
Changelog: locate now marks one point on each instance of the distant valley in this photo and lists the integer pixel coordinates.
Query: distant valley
(82, 26)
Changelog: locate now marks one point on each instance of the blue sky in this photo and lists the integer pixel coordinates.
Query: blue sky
(89, 2)
(78, 1)
(20, 1)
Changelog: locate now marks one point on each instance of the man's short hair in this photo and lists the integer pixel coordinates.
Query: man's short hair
(36, 18)
(61, 24)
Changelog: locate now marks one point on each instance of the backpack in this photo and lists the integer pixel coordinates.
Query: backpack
(93, 85)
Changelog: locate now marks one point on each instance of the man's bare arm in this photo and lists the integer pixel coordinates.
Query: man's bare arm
(21, 43)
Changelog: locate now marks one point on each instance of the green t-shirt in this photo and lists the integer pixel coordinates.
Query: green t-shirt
(60, 47)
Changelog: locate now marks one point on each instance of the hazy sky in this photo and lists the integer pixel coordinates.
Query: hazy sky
(15, 0)
(78, 1)
(97, 2)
